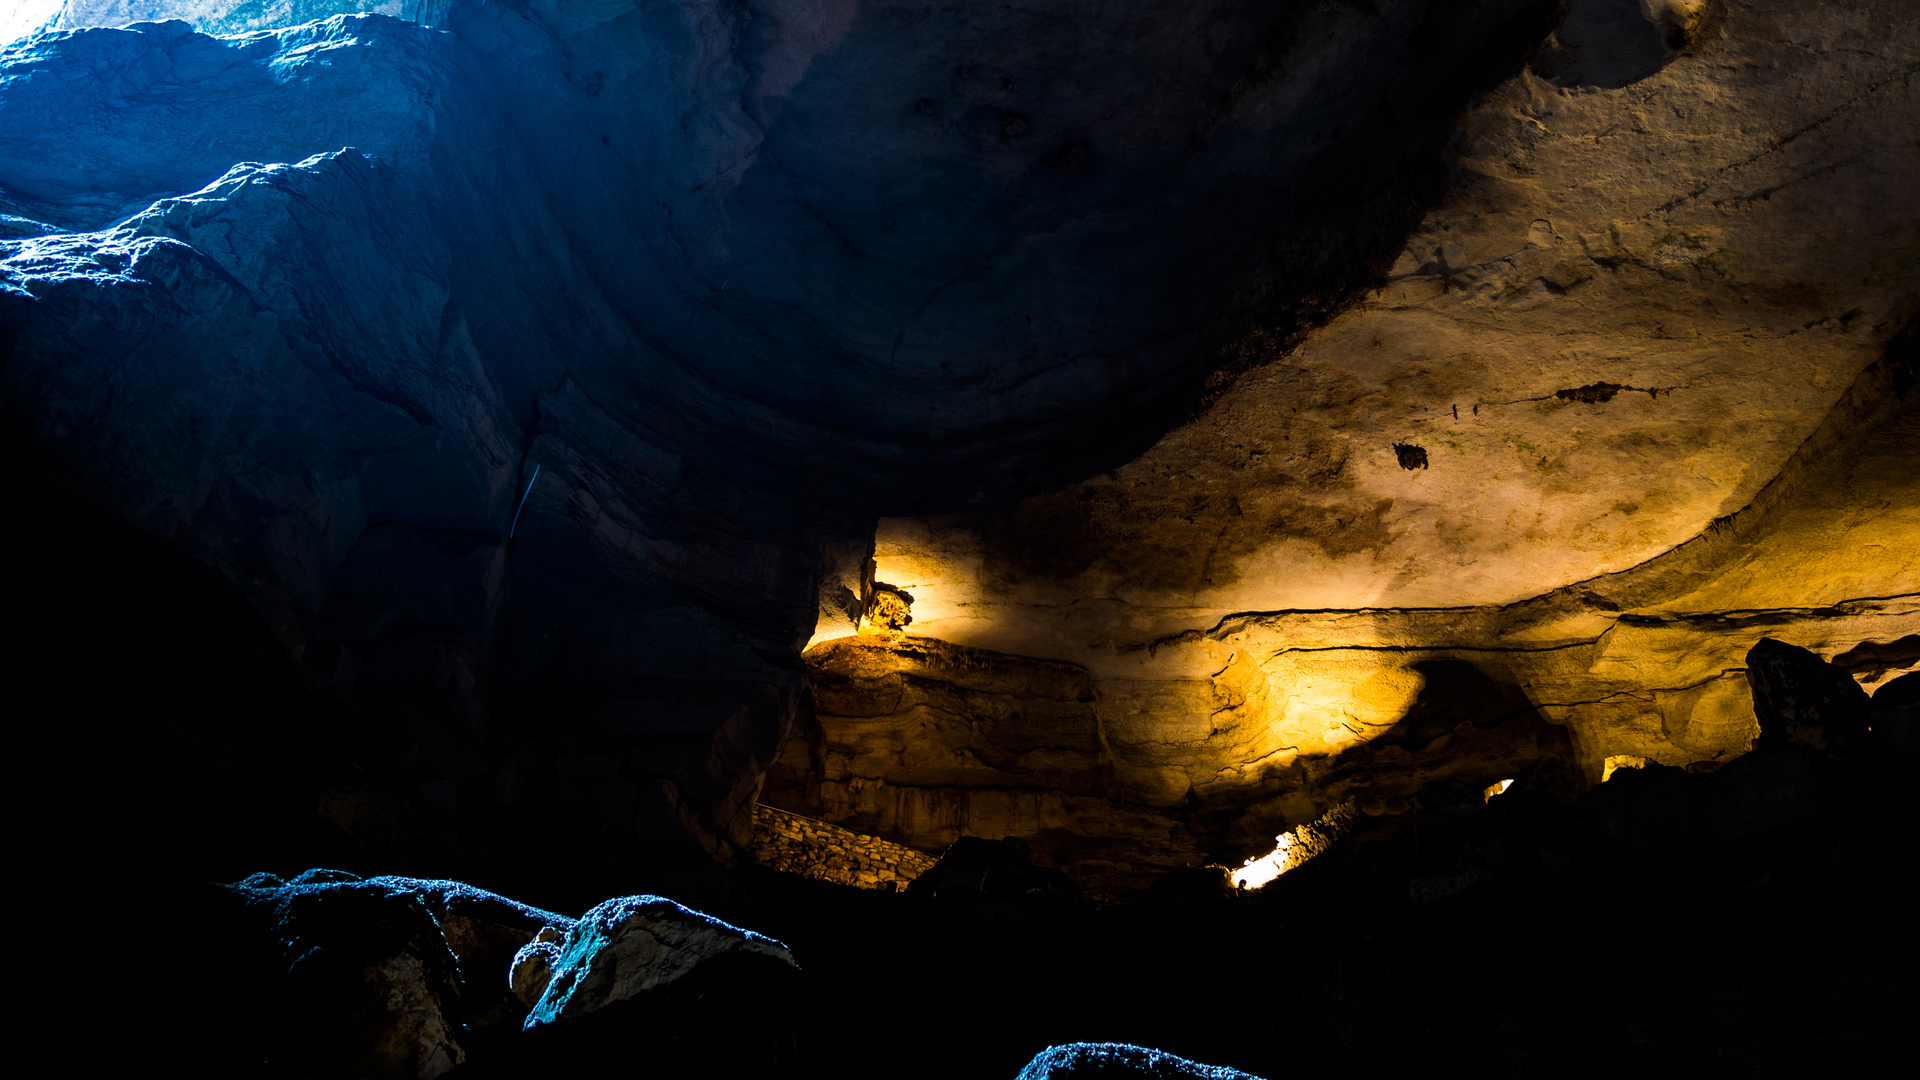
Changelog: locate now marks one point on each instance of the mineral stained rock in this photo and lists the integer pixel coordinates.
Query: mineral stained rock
(1659, 420)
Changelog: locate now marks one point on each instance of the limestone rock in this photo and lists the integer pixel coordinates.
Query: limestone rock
(1803, 702)
(533, 966)
(1135, 329)
(1120, 1061)
(637, 945)
(486, 932)
(364, 980)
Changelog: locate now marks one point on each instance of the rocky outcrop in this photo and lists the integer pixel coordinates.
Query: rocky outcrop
(1120, 1061)
(364, 981)
(643, 978)
(537, 371)
(533, 966)
(925, 742)
(1804, 703)
(627, 948)
(1279, 579)
(486, 932)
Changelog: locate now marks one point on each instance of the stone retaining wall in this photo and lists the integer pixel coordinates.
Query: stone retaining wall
(802, 845)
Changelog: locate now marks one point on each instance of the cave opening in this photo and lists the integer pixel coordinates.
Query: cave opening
(568, 536)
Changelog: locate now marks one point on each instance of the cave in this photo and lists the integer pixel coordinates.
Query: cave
(1223, 538)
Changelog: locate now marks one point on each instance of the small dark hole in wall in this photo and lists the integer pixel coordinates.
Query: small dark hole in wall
(1411, 456)
(1593, 393)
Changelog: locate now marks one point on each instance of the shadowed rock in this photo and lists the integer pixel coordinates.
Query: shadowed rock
(1120, 1061)
(486, 932)
(1804, 702)
(994, 882)
(361, 978)
(639, 944)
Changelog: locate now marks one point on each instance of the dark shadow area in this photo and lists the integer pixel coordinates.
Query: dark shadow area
(169, 732)
(1614, 43)
(1457, 692)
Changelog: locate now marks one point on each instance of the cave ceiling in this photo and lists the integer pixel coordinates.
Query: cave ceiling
(1147, 413)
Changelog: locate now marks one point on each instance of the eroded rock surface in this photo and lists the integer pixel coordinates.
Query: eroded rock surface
(635, 945)
(1120, 1061)
(366, 983)
(538, 369)
(1608, 421)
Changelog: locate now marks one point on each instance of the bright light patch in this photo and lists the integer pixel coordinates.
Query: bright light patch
(1621, 761)
(1296, 846)
(1258, 872)
(1495, 789)
(20, 18)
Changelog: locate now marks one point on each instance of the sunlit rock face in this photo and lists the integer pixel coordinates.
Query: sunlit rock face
(1626, 402)
(539, 369)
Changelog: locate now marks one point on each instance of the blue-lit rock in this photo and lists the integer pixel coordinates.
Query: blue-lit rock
(1120, 1061)
(360, 976)
(637, 945)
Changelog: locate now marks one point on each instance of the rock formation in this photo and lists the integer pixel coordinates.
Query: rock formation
(1157, 425)
(1609, 418)
(1118, 1061)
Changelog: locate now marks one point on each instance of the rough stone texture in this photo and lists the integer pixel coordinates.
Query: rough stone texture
(926, 742)
(486, 933)
(312, 374)
(1662, 412)
(1120, 1061)
(815, 849)
(533, 966)
(366, 982)
(626, 948)
(236, 16)
(1352, 362)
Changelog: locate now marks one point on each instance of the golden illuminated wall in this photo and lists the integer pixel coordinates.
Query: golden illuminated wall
(1635, 395)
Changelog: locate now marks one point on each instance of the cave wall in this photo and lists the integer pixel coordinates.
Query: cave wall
(1637, 392)
(537, 371)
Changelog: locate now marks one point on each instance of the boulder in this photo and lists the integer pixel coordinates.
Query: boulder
(638, 945)
(533, 966)
(359, 976)
(643, 985)
(1804, 702)
(486, 932)
(1120, 1061)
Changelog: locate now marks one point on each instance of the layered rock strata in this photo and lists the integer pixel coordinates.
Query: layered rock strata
(673, 298)
(1637, 392)
(538, 370)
